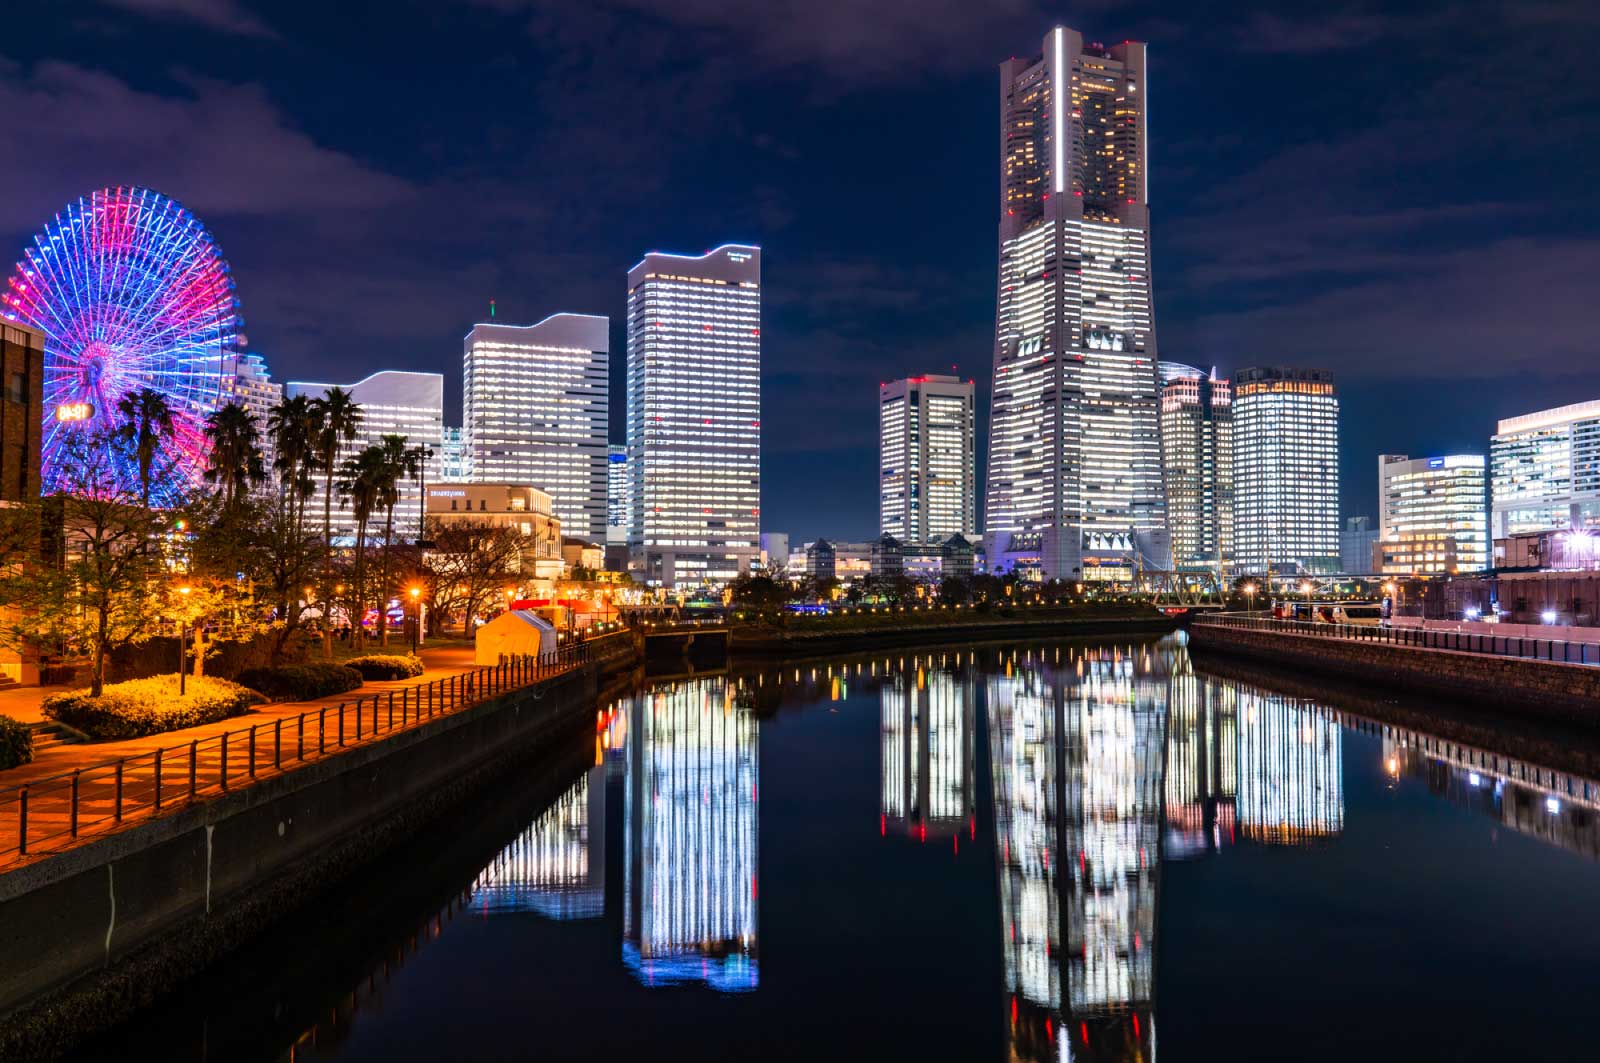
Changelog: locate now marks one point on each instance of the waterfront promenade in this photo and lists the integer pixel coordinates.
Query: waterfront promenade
(72, 794)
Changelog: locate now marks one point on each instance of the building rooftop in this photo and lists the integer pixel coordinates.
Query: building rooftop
(1546, 418)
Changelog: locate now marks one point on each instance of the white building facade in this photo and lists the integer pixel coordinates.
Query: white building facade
(1074, 483)
(1545, 471)
(1433, 516)
(537, 413)
(694, 416)
(1197, 466)
(1286, 471)
(926, 460)
(393, 402)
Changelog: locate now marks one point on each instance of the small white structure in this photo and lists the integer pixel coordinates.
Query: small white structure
(516, 633)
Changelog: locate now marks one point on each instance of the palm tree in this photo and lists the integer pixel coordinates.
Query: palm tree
(147, 420)
(235, 461)
(363, 485)
(336, 419)
(400, 463)
(290, 426)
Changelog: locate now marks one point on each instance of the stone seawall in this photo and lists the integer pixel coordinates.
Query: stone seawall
(752, 643)
(92, 934)
(1516, 686)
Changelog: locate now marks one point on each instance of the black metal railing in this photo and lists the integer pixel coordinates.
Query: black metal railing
(1561, 651)
(51, 813)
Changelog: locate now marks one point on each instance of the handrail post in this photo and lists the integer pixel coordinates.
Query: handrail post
(391, 710)
(22, 822)
(159, 751)
(277, 744)
(224, 760)
(358, 720)
(322, 731)
(253, 749)
(72, 825)
(116, 809)
(194, 763)
(341, 724)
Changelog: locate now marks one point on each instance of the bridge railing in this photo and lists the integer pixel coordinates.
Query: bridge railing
(51, 813)
(1533, 649)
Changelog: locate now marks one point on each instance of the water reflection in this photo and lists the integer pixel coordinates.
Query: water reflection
(1076, 747)
(928, 723)
(557, 867)
(689, 873)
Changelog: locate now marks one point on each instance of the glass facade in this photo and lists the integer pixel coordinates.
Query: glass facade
(1545, 471)
(1197, 466)
(926, 464)
(1433, 514)
(1286, 471)
(537, 412)
(694, 416)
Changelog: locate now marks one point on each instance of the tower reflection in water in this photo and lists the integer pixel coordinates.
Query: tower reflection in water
(557, 866)
(689, 869)
(1105, 762)
(927, 753)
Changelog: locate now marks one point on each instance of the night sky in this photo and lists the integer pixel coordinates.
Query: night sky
(1404, 194)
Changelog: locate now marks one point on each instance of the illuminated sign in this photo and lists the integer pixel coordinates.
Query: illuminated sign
(75, 411)
(1435, 463)
(447, 494)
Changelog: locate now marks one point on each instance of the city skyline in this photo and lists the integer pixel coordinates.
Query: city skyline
(321, 268)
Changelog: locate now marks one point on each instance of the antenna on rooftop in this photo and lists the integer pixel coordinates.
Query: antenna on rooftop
(491, 309)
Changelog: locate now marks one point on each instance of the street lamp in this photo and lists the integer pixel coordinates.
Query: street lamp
(183, 634)
(1306, 585)
(1250, 597)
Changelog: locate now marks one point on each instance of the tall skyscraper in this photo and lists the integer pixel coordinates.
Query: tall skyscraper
(926, 459)
(1432, 514)
(1545, 470)
(1286, 470)
(393, 402)
(694, 415)
(1074, 484)
(617, 495)
(537, 412)
(1197, 465)
(453, 464)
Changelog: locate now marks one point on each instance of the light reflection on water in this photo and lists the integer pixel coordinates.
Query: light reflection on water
(1083, 769)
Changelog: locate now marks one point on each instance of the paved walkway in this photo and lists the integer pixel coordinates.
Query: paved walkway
(123, 781)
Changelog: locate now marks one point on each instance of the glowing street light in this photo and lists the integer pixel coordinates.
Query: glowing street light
(1250, 596)
(183, 635)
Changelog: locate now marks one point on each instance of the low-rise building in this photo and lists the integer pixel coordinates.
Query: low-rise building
(1433, 514)
(518, 506)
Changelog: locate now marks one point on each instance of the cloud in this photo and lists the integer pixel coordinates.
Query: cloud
(224, 16)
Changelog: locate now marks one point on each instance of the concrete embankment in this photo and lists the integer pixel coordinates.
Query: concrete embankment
(94, 933)
(1569, 693)
(769, 642)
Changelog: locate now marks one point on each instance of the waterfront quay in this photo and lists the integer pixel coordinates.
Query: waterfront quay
(123, 877)
(1516, 674)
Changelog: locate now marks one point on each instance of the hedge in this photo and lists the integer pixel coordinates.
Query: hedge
(148, 706)
(386, 666)
(16, 743)
(301, 682)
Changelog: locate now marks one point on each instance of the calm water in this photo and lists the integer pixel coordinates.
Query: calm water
(1092, 852)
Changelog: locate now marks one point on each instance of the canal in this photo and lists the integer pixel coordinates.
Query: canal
(1086, 851)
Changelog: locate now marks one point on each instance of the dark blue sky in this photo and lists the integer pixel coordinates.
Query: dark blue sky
(1401, 193)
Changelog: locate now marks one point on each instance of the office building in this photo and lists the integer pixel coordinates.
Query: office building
(21, 412)
(1545, 471)
(246, 382)
(775, 550)
(1197, 466)
(1355, 546)
(393, 402)
(536, 412)
(694, 415)
(1285, 471)
(1074, 483)
(453, 463)
(1432, 514)
(616, 495)
(926, 460)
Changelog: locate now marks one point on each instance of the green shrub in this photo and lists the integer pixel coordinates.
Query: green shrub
(301, 682)
(16, 743)
(386, 666)
(148, 706)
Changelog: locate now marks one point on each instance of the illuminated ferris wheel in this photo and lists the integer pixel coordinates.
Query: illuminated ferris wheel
(130, 292)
